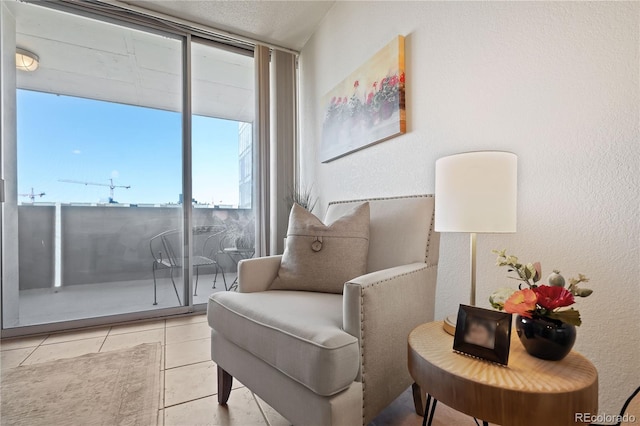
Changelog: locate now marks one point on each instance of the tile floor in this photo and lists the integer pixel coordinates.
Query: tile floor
(188, 374)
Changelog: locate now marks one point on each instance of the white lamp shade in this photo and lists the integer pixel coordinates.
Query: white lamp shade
(476, 192)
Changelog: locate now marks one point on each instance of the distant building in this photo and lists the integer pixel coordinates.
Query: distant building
(245, 143)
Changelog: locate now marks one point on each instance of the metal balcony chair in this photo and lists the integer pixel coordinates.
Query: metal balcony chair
(164, 255)
(235, 248)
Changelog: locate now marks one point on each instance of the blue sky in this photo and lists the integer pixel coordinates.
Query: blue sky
(63, 137)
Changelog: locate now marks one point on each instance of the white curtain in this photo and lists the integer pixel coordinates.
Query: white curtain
(283, 143)
(261, 155)
(275, 130)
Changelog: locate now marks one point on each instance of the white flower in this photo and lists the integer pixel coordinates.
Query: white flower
(500, 296)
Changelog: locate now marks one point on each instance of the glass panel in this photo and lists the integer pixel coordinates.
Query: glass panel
(223, 109)
(99, 157)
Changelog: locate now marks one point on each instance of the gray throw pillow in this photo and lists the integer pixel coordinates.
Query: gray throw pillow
(321, 257)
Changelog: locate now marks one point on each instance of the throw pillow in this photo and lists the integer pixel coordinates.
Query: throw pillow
(320, 257)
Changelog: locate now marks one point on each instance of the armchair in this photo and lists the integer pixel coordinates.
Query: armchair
(332, 359)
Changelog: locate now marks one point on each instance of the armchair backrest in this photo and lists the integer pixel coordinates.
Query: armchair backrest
(401, 230)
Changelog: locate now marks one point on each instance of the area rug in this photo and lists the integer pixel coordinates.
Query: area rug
(111, 388)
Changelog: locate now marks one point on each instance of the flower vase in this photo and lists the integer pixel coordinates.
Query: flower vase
(545, 338)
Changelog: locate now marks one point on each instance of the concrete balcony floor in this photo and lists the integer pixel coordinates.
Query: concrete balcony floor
(42, 306)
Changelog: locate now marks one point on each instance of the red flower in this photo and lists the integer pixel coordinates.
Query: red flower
(370, 98)
(356, 84)
(402, 78)
(551, 297)
(375, 85)
(394, 80)
(333, 100)
(344, 100)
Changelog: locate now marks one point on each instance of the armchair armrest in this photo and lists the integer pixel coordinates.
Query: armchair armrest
(381, 309)
(257, 274)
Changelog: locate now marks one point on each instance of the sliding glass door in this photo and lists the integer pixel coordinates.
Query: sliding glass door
(222, 138)
(98, 213)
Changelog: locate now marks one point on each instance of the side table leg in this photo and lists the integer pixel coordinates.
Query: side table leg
(428, 417)
(433, 411)
(426, 411)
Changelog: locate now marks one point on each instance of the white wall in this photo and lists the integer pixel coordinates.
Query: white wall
(556, 83)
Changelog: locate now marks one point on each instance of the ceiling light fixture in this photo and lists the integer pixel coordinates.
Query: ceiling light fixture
(25, 60)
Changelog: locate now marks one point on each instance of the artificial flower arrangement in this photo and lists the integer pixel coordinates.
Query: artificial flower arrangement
(538, 300)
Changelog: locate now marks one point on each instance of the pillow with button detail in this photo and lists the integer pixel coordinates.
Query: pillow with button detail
(320, 257)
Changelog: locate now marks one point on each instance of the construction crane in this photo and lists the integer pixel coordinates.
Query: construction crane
(110, 185)
(32, 195)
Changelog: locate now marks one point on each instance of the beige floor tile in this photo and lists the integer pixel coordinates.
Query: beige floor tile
(192, 382)
(185, 353)
(273, 417)
(13, 358)
(21, 342)
(135, 327)
(189, 382)
(192, 319)
(242, 410)
(183, 333)
(129, 340)
(55, 351)
(76, 335)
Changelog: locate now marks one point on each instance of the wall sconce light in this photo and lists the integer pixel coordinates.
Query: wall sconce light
(25, 60)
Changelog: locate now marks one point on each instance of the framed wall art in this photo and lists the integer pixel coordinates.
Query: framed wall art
(368, 106)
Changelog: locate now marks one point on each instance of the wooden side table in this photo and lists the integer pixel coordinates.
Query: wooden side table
(529, 391)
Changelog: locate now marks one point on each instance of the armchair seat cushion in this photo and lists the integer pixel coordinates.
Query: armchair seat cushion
(299, 333)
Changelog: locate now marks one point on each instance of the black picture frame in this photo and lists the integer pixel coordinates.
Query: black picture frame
(483, 333)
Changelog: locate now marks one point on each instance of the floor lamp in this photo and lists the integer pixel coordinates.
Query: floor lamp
(476, 192)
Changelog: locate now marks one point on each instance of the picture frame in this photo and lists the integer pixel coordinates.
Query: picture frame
(483, 333)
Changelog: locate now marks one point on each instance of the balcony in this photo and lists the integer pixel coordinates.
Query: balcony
(81, 261)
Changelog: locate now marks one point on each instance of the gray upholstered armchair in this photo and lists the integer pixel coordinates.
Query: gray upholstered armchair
(332, 359)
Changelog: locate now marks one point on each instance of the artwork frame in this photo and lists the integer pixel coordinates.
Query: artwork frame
(483, 333)
(367, 107)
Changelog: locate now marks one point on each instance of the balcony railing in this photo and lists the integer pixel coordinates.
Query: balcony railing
(65, 245)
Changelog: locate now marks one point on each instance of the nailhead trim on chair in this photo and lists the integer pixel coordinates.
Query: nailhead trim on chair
(431, 231)
(362, 371)
(382, 198)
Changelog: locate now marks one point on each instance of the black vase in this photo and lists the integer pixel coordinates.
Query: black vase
(545, 338)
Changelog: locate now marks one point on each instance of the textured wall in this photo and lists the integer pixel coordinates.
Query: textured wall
(556, 83)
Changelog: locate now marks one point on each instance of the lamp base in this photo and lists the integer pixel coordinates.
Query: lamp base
(449, 324)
